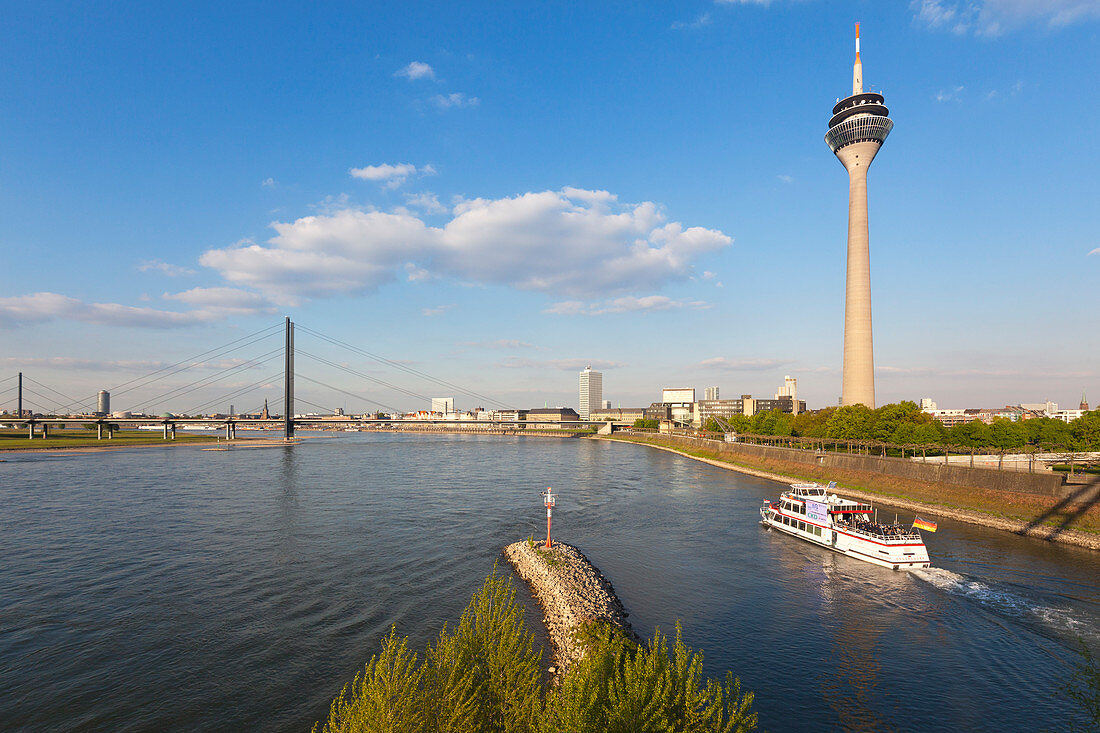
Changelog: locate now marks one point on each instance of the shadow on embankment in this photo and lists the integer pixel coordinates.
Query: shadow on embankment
(1065, 512)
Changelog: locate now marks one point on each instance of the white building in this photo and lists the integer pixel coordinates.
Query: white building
(1048, 408)
(591, 392)
(443, 405)
(711, 393)
(680, 395)
(1067, 415)
(789, 389)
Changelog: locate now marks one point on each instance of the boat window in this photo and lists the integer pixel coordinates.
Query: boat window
(802, 526)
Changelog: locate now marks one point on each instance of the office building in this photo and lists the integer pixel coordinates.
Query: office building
(857, 129)
(591, 392)
(790, 390)
(710, 393)
(103, 403)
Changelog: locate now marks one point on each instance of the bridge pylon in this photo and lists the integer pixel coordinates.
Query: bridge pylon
(288, 383)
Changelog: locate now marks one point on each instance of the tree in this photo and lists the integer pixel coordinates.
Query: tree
(851, 422)
(931, 433)
(888, 418)
(485, 676)
(973, 434)
(1086, 430)
(1006, 434)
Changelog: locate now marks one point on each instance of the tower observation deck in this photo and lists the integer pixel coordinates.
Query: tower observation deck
(858, 128)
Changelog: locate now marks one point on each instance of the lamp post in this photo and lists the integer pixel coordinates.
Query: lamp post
(548, 499)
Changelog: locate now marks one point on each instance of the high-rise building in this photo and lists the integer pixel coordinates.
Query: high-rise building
(103, 403)
(789, 389)
(591, 392)
(443, 405)
(710, 393)
(858, 128)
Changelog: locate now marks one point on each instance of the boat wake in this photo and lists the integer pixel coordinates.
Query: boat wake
(1004, 602)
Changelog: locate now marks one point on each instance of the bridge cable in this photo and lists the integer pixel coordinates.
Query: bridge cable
(177, 392)
(43, 386)
(391, 408)
(402, 367)
(117, 389)
(233, 395)
(349, 370)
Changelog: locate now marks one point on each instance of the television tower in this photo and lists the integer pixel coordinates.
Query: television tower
(858, 128)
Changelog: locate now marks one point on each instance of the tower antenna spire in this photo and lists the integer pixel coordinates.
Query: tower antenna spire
(857, 69)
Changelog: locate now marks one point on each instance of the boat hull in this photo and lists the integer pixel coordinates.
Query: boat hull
(895, 556)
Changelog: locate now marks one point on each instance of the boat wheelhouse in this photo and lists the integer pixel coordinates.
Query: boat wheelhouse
(810, 512)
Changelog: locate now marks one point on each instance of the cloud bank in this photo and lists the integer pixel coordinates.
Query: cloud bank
(994, 17)
(573, 242)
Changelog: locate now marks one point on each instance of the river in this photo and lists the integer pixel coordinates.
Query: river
(175, 588)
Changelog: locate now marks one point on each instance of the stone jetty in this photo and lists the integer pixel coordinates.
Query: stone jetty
(570, 590)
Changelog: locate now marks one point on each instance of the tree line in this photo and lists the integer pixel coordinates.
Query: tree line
(903, 423)
(484, 674)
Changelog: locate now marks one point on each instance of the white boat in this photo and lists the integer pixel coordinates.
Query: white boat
(846, 526)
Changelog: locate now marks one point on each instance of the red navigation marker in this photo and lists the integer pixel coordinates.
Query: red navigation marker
(548, 499)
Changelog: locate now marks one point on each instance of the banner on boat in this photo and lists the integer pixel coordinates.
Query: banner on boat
(817, 511)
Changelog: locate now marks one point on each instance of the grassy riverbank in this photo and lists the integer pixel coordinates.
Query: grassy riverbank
(1032, 514)
(11, 440)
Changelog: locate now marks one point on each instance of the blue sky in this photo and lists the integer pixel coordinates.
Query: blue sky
(498, 195)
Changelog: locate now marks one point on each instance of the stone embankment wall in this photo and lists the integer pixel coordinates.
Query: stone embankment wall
(1044, 484)
(570, 590)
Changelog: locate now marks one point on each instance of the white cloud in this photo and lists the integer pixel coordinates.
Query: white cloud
(390, 175)
(626, 304)
(439, 309)
(77, 364)
(417, 274)
(501, 344)
(426, 201)
(569, 365)
(164, 268)
(455, 99)
(568, 243)
(994, 17)
(742, 365)
(416, 70)
(227, 300)
(268, 183)
(785, 178)
(948, 95)
(43, 307)
(1095, 251)
(703, 19)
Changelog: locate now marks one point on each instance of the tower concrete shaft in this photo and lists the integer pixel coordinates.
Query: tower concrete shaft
(857, 130)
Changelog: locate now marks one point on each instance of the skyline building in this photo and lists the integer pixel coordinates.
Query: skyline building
(443, 405)
(103, 403)
(711, 393)
(591, 392)
(857, 129)
(789, 389)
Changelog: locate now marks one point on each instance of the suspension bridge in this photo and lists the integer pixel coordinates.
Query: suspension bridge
(51, 408)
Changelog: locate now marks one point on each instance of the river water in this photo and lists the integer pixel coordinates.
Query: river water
(181, 589)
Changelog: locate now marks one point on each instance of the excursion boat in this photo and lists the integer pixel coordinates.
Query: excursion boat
(846, 526)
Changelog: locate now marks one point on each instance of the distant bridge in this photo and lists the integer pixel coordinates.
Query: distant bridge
(289, 422)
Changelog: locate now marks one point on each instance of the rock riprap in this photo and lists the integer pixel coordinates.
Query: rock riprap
(570, 590)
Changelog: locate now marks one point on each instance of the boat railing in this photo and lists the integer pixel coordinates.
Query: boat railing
(882, 533)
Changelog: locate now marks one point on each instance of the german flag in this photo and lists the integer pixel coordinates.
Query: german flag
(924, 524)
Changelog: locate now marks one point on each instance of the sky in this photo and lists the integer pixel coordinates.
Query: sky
(498, 194)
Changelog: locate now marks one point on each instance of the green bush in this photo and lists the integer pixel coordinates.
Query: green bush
(485, 675)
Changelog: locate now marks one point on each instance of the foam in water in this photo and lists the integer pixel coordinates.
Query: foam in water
(1005, 602)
